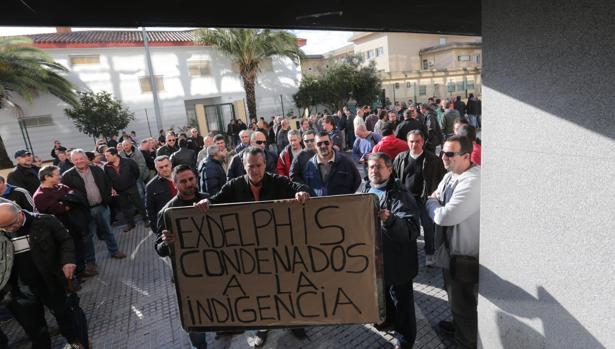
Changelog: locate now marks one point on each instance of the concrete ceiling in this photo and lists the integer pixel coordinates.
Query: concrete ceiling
(425, 16)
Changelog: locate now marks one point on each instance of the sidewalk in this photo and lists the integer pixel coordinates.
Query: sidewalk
(132, 304)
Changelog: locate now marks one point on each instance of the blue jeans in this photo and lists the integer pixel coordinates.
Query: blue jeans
(473, 120)
(101, 219)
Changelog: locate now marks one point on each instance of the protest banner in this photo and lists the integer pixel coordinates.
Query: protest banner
(278, 263)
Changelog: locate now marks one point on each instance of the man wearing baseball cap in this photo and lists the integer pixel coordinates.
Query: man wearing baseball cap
(24, 175)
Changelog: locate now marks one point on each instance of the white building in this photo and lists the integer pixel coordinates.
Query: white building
(197, 86)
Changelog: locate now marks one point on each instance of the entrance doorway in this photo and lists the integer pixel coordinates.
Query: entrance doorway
(218, 117)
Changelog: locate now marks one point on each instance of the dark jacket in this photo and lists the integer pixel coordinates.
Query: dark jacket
(275, 187)
(157, 195)
(184, 156)
(297, 166)
(24, 177)
(129, 174)
(161, 247)
(433, 171)
(235, 168)
(408, 125)
(65, 166)
(73, 179)
(434, 136)
(20, 196)
(282, 139)
(51, 247)
(149, 160)
(399, 234)
(166, 150)
(343, 177)
(211, 176)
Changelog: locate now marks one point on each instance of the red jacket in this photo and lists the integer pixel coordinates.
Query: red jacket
(475, 156)
(284, 161)
(391, 146)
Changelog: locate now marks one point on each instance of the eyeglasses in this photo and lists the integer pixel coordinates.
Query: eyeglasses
(260, 142)
(308, 140)
(171, 140)
(323, 142)
(450, 154)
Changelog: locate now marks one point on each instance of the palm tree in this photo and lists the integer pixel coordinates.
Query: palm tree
(248, 49)
(26, 72)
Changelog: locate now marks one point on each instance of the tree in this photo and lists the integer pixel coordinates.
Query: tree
(340, 82)
(98, 114)
(26, 72)
(248, 49)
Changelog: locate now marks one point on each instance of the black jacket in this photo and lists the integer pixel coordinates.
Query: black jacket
(24, 177)
(408, 125)
(51, 247)
(298, 165)
(399, 233)
(211, 176)
(275, 187)
(73, 179)
(20, 196)
(129, 174)
(166, 150)
(184, 156)
(235, 168)
(161, 247)
(433, 171)
(157, 195)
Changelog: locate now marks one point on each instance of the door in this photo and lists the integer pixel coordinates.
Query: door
(218, 116)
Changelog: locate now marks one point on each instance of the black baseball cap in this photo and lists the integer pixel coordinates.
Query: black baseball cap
(22, 152)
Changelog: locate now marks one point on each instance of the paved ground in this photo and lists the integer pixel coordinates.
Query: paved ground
(132, 304)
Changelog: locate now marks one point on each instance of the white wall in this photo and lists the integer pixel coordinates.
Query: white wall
(119, 72)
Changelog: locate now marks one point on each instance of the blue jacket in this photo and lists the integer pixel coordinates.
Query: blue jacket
(363, 146)
(343, 178)
(211, 176)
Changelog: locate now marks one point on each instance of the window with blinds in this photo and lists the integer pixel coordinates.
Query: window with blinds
(146, 85)
(198, 68)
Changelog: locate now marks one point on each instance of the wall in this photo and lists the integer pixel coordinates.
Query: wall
(119, 71)
(548, 199)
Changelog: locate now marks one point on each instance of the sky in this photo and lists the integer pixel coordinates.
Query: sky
(318, 41)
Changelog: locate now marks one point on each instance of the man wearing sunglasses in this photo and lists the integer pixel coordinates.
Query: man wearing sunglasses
(298, 164)
(258, 140)
(44, 260)
(455, 209)
(169, 147)
(329, 172)
(25, 174)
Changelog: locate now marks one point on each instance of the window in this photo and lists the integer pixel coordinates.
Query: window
(371, 54)
(146, 86)
(451, 87)
(460, 86)
(84, 59)
(37, 121)
(397, 85)
(198, 68)
(477, 59)
(422, 90)
(379, 51)
(464, 58)
(470, 85)
(408, 84)
(425, 64)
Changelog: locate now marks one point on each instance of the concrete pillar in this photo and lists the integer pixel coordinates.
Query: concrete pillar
(548, 198)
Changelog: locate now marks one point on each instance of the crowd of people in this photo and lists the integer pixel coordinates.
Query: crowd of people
(421, 160)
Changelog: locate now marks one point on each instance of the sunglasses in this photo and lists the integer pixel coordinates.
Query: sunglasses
(308, 140)
(171, 140)
(323, 142)
(450, 154)
(260, 142)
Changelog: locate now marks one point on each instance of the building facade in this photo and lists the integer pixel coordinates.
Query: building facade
(197, 86)
(415, 66)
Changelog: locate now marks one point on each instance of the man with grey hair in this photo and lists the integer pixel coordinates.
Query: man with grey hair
(282, 134)
(244, 136)
(289, 152)
(160, 189)
(92, 183)
(211, 172)
(258, 140)
(129, 151)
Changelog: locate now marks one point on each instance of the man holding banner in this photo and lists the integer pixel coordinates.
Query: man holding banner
(255, 185)
(400, 227)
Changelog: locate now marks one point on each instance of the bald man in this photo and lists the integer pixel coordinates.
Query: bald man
(44, 260)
